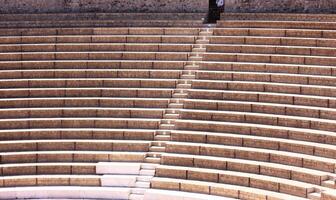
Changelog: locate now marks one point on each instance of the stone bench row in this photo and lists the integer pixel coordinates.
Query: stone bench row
(48, 169)
(250, 153)
(137, 39)
(270, 58)
(267, 183)
(269, 32)
(276, 24)
(253, 141)
(257, 118)
(67, 192)
(88, 74)
(104, 23)
(77, 133)
(76, 122)
(82, 112)
(262, 49)
(99, 31)
(178, 56)
(71, 156)
(74, 145)
(312, 90)
(77, 47)
(299, 79)
(308, 135)
(240, 165)
(231, 191)
(267, 108)
(86, 92)
(269, 68)
(92, 64)
(279, 41)
(89, 83)
(265, 97)
(103, 102)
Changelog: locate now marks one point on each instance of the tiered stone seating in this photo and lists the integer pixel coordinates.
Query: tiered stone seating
(242, 111)
(73, 98)
(258, 122)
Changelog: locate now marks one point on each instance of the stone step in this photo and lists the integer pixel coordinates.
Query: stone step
(206, 33)
(148, 172)
(191, 67)
(179, 95)
(162, 138)
(136, 197)
(189, 72)
(184, 81)
(167, 121)
(143, 178)
(189, 62)
(153, 160)
(199, 50)
(171, 116)
(118, 181)
(148, 166)
(184, 86)
(158, 143)
(187, 76)
(172, 111)
(175, 105)
(167, 126)
(138, 191)
(195, 58)
(142, 184)
(329, 184)
(314, 196)
(202, 41)
(157, 149)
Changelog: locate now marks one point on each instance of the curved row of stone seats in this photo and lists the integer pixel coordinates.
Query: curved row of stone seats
(299, 79)
(271, 32)
(258, 118)
(154, 194)
(280, 185)
(266, 97)
(269, 68)
(96, 39)
(277, 24)
(102, 20)
(226, 190)
(71, 156)
(77, 47)
(99, 31)
(256, 107)
(255, 153)
(275, 41)
(89, 74)
(270, 58)
(57, 192)
(278, 83)
(103, 102)
(89, 64)
(296, 173)
(268, 49)
(83, 133)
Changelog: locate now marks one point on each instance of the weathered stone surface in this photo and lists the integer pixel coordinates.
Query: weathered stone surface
(274, 6)
(110, 6)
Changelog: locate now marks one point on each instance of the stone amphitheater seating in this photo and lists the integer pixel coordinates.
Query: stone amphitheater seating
(245, 110)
